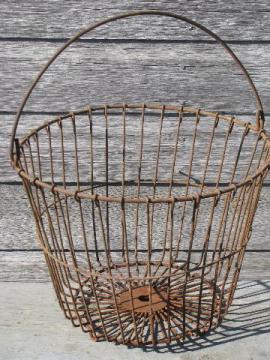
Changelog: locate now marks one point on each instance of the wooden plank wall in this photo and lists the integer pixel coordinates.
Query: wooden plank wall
(132, 60)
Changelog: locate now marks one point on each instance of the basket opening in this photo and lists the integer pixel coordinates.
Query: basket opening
(143, 152)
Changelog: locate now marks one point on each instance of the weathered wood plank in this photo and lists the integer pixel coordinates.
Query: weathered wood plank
(55, 19)
(123, 72)
(31, 322)
(31, 266)
(17, 230)
(198, 74)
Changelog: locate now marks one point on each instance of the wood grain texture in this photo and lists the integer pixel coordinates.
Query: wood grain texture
(232, 20)
(176, 65)
(97, 73)
(29, 122)
(17, 230)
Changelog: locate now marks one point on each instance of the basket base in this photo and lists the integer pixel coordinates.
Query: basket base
(143, 299)
(170, 308)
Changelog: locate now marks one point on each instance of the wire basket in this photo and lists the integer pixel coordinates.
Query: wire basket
(143, 212)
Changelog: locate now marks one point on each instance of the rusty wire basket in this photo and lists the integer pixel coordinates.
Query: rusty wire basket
(142, 245)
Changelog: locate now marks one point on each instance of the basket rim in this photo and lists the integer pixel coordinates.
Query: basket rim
(80, 194)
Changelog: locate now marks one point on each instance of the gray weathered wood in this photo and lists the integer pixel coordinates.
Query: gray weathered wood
(248, 20)
(198, 74)
(133, 139)
(17, 230)
(116, 71)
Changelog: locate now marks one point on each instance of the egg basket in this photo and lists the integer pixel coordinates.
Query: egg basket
(143, 211)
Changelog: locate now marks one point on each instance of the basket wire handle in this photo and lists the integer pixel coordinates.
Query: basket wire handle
(14, 148)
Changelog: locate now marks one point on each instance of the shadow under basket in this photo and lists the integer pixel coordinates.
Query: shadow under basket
(143, 211)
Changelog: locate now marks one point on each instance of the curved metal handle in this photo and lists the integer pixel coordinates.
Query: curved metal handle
(259, 116)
